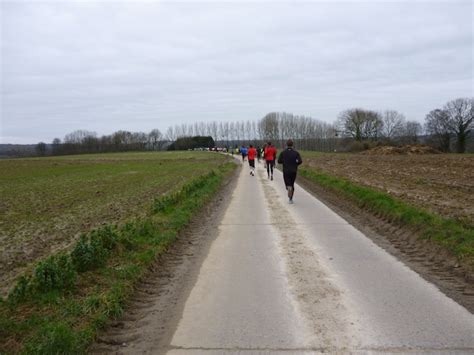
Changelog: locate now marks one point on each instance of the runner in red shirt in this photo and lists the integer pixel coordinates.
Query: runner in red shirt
(252, 152)
(270, 157)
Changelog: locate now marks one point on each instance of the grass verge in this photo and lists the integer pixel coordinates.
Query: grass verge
(59, 308)
(458, 238)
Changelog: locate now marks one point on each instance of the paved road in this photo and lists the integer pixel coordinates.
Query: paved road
(299, 279)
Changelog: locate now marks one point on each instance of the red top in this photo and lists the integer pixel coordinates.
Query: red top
(270, 153)
(251, 153)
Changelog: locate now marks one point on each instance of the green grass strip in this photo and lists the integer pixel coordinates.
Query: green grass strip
(69, 297)
(451, 234)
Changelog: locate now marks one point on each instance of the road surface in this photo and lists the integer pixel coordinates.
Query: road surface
(298, 278)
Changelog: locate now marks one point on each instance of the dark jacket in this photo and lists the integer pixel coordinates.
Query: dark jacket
(290, 159)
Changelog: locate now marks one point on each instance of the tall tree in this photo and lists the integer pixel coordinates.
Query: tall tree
(461, 120)
(360, 124)
(56, 146)
(170, 134)
(437, 125)
(392, 124)
(269, 126)
(154, 138)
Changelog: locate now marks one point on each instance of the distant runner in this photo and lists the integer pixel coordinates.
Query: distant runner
(252, 152)
(243, 151)
(270, 156)
(290, 159)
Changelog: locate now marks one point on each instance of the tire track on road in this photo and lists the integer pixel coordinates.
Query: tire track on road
(320, 300)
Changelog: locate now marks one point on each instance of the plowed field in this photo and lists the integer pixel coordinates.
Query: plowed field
(441, 183)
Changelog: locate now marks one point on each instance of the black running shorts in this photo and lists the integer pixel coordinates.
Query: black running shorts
(252, 163)
(289, 179)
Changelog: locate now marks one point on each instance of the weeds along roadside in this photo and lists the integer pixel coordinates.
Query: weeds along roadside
(70, 296)
(455, 236)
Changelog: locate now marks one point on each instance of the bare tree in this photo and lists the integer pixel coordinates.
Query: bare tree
(232, 131)
(248, 130)
(438, 127)
(269, 126)
(360, 124)
(461, 120)
(78, 136)
(106, 143)
(80, 141)
(90, 144)
(180, 130)
(170, 134)
(393, 123)
(253, 129)
(56, 146)
(225, 132)
(213, 128)
(411, 131)
(241, 130)
(154, 138)
(139, 141)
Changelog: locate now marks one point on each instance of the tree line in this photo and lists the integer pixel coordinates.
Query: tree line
(444, 128)
(274, 126)
(83, 141)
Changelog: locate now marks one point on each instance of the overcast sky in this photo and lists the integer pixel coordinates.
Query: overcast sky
(105, 66)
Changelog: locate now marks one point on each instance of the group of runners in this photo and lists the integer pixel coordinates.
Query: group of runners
(289, 158)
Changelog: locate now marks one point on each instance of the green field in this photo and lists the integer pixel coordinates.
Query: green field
(66, 295)
(46, 203)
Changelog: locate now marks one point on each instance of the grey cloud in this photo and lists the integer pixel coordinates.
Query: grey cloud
(105, 66)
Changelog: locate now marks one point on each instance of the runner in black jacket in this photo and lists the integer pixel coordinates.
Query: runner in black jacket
(290, 159)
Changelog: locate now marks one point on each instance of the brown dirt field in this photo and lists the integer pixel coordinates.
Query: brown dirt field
(406, 149)
(440, 183)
